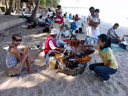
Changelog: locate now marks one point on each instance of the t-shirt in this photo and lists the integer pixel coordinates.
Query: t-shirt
(107, 54)
(111, 32)
(23, 13)
(40, 20)
(59, 20)
(95, 19)
(91, 31)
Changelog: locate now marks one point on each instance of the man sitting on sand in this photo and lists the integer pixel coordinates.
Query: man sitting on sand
(51, 45)
(114, 37)
(16, 59)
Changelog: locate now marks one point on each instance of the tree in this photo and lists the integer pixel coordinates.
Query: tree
(43, 3)
(8, 12)
(18, 6)
(6, 4)
(33, 16)
(55, 2)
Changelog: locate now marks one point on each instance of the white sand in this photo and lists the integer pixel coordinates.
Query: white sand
(49, 83)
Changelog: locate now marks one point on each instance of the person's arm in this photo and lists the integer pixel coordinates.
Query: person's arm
(124, 37)
(109, 63)
(116, 37)
(52, 46)
(87, 45)
(109, 58)
(88, 21)
(92, 23)
(56, 49)
(16, 52)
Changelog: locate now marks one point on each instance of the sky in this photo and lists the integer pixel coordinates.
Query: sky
(96, 3)
(110, 10)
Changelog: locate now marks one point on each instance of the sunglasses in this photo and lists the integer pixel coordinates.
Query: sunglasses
(17, 39)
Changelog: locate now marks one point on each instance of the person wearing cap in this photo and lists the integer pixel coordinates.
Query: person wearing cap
(51, 45)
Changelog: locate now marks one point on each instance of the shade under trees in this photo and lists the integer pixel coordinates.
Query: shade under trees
(9, 10)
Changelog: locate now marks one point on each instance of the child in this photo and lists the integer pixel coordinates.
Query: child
(16, 59)
(109, 65)
(96, 17)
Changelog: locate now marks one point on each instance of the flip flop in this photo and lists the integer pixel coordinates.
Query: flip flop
(16, 75)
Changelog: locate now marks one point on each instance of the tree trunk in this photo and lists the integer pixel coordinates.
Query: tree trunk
(33, 16)
(18, 6)
(6, 5)
(8, 12)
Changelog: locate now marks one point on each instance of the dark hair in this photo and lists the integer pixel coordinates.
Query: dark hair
(58, 6)
(91, 8)
(14, 36)
(105, 38)
(40, 16)
(97, 10)
(116, 24)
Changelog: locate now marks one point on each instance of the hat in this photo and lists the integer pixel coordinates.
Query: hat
(54, 31)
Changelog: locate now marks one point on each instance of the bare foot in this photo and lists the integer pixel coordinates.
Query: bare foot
(32, 71)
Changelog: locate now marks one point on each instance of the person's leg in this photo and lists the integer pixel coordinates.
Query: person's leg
(95, 40)
(88, 40)
(115, 41)
(92, 66)
(104, 71)
(27, 60)
(122, 45)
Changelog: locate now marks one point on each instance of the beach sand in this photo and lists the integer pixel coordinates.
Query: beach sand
(49, 83)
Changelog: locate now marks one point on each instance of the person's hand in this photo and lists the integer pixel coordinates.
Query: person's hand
(26, 49)
(120, 40)
(56, 51)
(62, 49)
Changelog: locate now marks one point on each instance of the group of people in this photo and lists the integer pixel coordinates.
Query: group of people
(101, 42)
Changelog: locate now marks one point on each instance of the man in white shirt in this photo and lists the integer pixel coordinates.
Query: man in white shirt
(114, 37)
(92, 34)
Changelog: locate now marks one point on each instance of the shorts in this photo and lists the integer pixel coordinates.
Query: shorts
(16, 69)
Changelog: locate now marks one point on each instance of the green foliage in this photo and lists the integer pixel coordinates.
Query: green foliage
(49, 3)
(55, 2)
(43, 2)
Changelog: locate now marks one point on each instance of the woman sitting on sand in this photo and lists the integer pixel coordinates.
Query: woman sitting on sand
(16, 59)
(109, 65)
